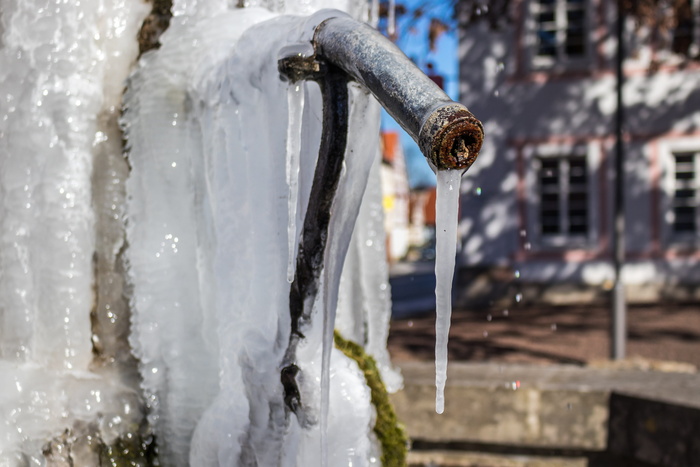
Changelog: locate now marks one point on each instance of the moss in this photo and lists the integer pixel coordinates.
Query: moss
(389, 431)
(129, 452)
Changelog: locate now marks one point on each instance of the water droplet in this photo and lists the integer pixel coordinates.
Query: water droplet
(523, 233)
(174, 164)
(478, 191)
(527, 246)
(517, 274)
(518, 297)
(496, 93)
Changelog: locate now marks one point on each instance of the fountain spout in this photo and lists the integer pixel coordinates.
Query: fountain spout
(447, 133)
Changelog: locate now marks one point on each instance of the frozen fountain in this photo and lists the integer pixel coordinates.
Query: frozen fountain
(186, 296)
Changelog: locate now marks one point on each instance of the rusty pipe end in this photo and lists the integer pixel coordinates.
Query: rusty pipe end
(451, 137)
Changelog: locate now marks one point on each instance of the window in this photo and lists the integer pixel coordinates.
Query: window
(677, 27)
(683, 34)
(563, 197)
(560, 27)
(685, 193)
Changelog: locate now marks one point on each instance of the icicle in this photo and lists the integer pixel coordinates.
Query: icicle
(328, 327)
(360, 154)
(374, 13)
(295, 100)
(391, 18)
(446, 209)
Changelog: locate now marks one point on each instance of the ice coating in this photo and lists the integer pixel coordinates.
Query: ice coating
(172, 224)
(295, 103)
(206, 210)
(364, 305)
(215, 159)
(446, 217)
(360, 154)
(61, 78)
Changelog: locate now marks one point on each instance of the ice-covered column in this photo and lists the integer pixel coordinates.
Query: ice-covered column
(57, 73)
(62, 67)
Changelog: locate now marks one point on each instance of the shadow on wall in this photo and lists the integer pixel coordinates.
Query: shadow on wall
(528, 116)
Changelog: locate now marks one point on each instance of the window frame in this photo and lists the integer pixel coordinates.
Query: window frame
(561, 59)
(664, 46)
(562, 240)
(670, 237)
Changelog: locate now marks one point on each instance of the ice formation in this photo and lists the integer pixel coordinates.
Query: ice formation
(446, 218)
(211, 241)
(62, 67)
(295, 102)
(198, 230)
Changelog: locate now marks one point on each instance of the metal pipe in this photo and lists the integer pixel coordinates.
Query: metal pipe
(618, 331)
(447, 133)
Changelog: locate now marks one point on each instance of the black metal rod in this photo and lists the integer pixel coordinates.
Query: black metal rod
(314, 234)
(618, 328)
(447, 133)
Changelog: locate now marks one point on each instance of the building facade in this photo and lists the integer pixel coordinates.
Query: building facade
(537, 205)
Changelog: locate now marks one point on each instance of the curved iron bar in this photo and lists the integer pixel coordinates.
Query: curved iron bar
(302, 293)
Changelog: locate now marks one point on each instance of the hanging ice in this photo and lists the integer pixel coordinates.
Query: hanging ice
(391, 18)
(197, 245)
(446, 216)
(295, 102)
(61, 77)
(212, 154)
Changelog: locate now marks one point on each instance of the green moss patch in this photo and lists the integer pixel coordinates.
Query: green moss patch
(389, 431)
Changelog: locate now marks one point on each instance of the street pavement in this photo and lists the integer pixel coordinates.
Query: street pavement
(537, 334)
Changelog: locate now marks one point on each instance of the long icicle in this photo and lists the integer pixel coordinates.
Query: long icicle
(446, 216)
(295, 100)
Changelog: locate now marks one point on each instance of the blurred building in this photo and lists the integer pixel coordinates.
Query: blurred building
(395, 196)
(537, 204)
